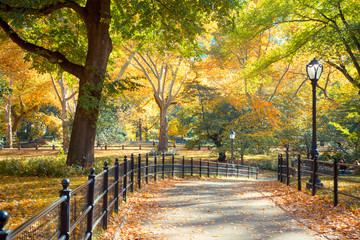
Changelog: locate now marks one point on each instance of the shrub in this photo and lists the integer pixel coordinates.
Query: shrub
(169, 152)
(267, 165)
(41, 166)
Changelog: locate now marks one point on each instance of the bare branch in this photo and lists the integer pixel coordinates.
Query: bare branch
(71, 96)
(300, 86)
(125, 66)
(147, 75)
(55, 87)
(286, 70)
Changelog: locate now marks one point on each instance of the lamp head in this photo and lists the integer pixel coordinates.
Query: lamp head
(314, 70)
(232, 135)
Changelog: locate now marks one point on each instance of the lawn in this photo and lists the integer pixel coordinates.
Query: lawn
(344, 186)
(23, 197)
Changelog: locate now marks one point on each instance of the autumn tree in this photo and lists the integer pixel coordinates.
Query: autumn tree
(325, 28)
(26, 91)
(66, 97)
(166, 76)
(76, 36)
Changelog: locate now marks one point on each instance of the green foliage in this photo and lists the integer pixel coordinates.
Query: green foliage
(4, 87)
(267, 165)
(43, 166)
(109, 128)
(192, 143)
(48, 167)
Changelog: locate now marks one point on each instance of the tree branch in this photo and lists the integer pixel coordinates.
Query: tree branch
(47, 9)
(344, 71)
(286, 70)
(54, 57)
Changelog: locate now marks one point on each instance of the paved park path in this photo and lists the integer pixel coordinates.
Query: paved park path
(222, 209)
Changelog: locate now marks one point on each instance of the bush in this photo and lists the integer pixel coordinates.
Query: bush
(267, 165)
(169, 152)
(42, 166)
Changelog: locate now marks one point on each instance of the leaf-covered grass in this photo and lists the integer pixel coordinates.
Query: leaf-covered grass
(344, 186)
(316, 213)
(23, 197)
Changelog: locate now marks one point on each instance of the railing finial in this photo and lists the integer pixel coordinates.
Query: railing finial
(4, 217)
(65, 183)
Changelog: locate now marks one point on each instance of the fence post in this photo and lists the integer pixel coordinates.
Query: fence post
(172, 166)
(155, 168)
(105, 197)
(140, 147)
(336, 173)
(278, 168)
(64, 225)
(53, 147)
(314, 176)
(299, 172)
(4, 217)
(139, 171)
(147, 168)
(163, 166)
(122, 147)
(125, 178)
(105, 146)
(132, 167)
(281, 168)
(237, 170)
(36, 147)
(227, 169)
(91, 197)
(116, 192)
(248, 172)
(287, 169)
(192, 166)
(183, 167)
(208, 168)
(217, 168)
(200, 168)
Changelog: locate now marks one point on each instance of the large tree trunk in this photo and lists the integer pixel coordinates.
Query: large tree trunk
(163, 135)
(82, 142)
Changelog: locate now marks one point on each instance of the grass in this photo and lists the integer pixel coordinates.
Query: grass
(23, 197)
(344, 186)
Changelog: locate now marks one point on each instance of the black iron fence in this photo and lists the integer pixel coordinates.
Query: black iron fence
(339, 179)
(128, 146)
(80, 213)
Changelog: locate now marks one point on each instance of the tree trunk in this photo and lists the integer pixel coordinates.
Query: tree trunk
(163, 135)
(65, 135)
(222, 157)
(242, 159)
(82, 142)
(9, 131)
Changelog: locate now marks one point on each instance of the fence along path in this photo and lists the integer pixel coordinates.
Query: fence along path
(297, 170)
(82, 212)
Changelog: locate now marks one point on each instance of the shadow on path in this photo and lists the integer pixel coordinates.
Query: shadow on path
(221, 209)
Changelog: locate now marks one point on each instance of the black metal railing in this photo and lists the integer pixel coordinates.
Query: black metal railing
(79, 213)
(306, 171)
